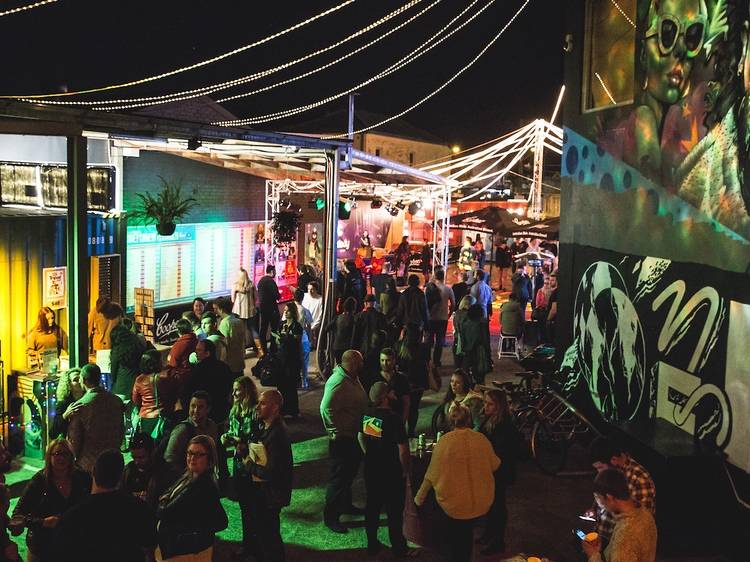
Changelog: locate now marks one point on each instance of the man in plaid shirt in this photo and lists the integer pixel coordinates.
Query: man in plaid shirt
(607, 454)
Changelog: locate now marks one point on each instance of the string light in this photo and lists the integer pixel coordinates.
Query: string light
(131, 103)
(606, 91)
(424, 48)
(26, 8)
(619, 9)
(446, 83)
(192, 66)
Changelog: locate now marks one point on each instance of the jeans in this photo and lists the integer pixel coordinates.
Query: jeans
(436, 338)
(261, 528)
(389, 492)
(345, 456)
(305, 358)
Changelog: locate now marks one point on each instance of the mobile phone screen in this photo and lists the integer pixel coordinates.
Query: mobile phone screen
(581, 534)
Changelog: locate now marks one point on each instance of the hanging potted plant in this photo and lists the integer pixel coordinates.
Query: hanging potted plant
(284, 226)
(165, 209)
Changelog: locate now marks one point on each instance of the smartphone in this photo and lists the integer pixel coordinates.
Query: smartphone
(581, 534)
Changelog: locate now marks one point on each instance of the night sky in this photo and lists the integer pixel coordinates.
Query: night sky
(83, 44)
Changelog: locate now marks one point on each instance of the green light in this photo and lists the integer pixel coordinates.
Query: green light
(320, 203)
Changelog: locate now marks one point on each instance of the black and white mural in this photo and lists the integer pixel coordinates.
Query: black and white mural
(653, 338)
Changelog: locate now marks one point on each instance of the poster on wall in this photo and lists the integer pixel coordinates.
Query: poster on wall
(314, 245)
(55, 287)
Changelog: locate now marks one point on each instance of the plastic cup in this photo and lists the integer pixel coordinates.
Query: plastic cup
(591, 537)
(533, 559)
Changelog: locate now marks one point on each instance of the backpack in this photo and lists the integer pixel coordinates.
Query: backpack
(433, 294)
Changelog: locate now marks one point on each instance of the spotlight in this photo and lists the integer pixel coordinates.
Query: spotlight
(345, 210)
(393, 211)
(400, 206)
(194, 143)
(415, 206)
(376, 203)
(317, 203)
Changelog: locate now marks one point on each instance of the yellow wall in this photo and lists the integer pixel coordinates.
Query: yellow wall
(26, 246)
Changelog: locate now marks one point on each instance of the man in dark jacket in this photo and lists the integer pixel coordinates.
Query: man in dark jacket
(108, 525)
(367, 322)
(212, 376)
(461, 289)
(268, 305)
(522, 286)
(412, 306)
(351, 284)
(503, 261)
(272, 480)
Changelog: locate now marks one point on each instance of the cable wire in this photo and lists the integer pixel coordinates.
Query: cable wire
(445, 84)
(195, 65)
(131, 103)
(424, 48)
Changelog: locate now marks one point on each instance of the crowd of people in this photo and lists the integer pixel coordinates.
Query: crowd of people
(198, 414)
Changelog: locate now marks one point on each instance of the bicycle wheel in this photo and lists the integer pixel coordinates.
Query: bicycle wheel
(548, 448)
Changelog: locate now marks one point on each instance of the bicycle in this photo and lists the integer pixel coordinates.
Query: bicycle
(549, 423)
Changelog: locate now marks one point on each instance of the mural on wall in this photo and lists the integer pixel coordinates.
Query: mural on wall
(651, 339)
(688, 129)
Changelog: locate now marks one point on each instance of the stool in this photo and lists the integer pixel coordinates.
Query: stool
(512, 350)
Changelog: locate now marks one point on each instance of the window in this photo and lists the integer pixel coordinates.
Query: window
(411, 159)
(610, 51)
(377, 152)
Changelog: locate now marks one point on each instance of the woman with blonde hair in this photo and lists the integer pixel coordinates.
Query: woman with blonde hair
(51, 492)
(244, 428)
(460, 472)
(69, 391)
(244, 297)
(190, 513)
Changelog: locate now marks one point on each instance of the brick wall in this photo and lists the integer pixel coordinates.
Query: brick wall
(223, 195)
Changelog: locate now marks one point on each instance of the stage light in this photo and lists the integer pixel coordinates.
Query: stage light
(194, 143)
(345, 210)
(376, 203)
(393, 211)
(317, 203)
(455, 149)
(414, 207)
(400, 206)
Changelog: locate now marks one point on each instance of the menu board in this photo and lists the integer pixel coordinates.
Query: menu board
(197, 260)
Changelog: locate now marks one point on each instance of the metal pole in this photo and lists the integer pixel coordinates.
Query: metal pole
(447, 225)
(536, 188)
(78, 259)
(329, 267)
(347, 164)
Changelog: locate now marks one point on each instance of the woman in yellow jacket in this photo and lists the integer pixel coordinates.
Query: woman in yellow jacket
(461, 473)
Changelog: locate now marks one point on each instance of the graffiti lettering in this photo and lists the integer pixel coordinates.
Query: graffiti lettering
(679, 320)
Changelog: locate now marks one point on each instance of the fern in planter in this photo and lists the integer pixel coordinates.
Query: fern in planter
(285, 226)
(165, 209)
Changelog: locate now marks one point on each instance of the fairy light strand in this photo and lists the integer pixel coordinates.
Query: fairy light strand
(445, 84)
(131, 103)
(619, 9)
(192, 66)
(424, 48)
(26, 8)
